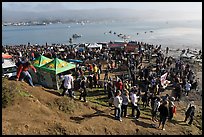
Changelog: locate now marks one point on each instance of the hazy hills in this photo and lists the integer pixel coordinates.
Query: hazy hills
(93, 14)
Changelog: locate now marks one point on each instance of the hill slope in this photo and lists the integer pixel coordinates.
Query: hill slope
(36, 110)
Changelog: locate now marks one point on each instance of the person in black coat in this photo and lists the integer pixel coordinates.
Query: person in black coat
(190, 113)
(164, 112)
(83, 89)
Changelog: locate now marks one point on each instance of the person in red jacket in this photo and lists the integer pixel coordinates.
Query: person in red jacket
(23, 73)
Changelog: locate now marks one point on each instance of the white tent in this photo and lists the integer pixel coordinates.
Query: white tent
(94, 45)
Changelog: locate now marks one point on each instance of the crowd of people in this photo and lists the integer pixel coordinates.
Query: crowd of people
(143, 83)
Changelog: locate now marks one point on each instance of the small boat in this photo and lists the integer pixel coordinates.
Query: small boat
(114, 33)
(76, 36)
(151, 31)
(126, 37)
(137, 33)
(110, 31)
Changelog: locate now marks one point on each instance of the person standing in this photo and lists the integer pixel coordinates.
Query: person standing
(68, 84)
(134, 101)
(22, 72)
(187, 87)
(163, 109)
(155, 108)
(118, 103)
(171, 107)
(125, 102)
(83, 89)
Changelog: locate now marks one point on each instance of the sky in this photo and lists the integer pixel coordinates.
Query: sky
(155, 10)
(32, 6)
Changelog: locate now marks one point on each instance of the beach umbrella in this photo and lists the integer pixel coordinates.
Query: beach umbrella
(40, 61)
(57, 66)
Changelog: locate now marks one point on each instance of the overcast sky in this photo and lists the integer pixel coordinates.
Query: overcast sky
(181, 6)
(187, 9)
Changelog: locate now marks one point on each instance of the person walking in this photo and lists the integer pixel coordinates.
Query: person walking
(190, 113)
(163, 109)
(134, 100)
(68, 85)
(118, 103)
(22, 72)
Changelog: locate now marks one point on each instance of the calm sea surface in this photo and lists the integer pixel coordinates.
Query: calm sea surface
(175, 34)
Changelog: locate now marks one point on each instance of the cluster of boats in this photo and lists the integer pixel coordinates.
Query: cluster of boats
(120, 35)
(125, 36)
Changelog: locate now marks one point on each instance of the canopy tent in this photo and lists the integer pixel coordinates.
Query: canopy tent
(40, 61)
(47, 74)
(57, 66)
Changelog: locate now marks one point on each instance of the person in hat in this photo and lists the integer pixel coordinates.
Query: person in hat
(22, 72)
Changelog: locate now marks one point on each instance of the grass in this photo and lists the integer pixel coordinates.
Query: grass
(8, 92)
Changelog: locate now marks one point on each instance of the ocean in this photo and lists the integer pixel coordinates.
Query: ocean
(174, 34)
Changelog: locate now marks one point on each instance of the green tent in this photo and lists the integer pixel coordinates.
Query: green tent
(40, 61)
(57, 66)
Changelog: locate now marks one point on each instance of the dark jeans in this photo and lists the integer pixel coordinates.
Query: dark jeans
(162, 119)
(124, 110)
(83, 94)
(26, 75)
(117, 113)
(71, 93)
(133, 111)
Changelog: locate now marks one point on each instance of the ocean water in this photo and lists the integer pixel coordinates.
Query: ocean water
(174, 34)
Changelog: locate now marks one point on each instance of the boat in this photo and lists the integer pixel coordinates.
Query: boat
(76, 36)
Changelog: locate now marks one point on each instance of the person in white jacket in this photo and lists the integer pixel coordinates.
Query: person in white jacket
(118, 103)
(134, 100)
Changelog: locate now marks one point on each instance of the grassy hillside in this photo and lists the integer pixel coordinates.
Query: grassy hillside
(36, 110)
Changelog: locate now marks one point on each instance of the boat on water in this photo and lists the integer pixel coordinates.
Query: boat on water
(76, 36)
